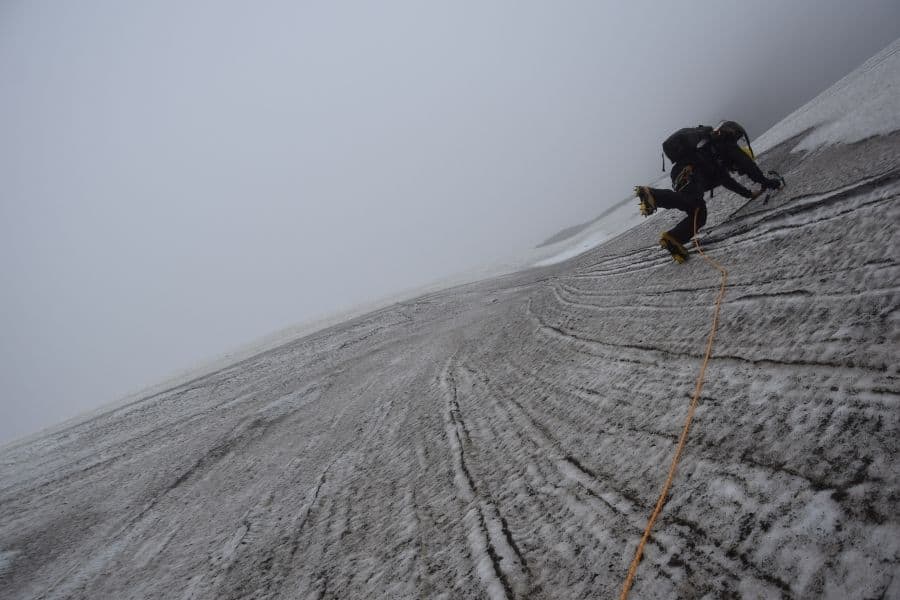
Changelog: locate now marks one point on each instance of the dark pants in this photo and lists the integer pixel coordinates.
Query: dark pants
(689, 198)
(692, 204)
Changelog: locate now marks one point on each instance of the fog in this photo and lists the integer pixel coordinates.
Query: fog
(180, 178)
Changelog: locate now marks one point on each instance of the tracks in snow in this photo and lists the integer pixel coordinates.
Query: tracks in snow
(507, 439)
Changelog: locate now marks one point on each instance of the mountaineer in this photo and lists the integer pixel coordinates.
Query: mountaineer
(703, 158)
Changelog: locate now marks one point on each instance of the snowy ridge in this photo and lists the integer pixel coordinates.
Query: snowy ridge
(863, 104)
(508, 438)
(620, 218)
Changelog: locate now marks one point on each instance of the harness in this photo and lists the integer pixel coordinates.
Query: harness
(684, 178)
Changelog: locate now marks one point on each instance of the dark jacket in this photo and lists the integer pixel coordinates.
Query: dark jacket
(711, 166)
(704, 174)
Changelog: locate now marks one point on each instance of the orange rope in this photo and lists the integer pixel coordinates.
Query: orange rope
(632, 570)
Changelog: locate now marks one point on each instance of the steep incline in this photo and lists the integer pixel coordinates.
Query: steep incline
(508, 439)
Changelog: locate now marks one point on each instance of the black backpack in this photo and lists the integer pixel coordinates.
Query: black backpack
(681, 146)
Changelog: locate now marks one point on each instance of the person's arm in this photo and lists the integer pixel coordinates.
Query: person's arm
(745, 165)
(736, 187)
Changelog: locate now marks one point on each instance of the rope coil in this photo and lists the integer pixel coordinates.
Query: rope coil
(701, 376)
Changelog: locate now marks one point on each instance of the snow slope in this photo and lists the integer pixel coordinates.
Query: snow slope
(508, 438)
(576, 240)
(621, 218)
(863, 104)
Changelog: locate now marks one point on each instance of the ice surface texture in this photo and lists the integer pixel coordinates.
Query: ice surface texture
(507, 439)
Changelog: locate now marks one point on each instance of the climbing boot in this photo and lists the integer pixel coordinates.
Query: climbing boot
(676, 249)
(647, 203)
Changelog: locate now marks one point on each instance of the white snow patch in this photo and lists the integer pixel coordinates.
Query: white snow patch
(863, 104)
(483, 565)
(819, 516)
(622, 219)
(595, 238)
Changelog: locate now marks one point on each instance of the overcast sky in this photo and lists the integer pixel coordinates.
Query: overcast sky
(180, 178)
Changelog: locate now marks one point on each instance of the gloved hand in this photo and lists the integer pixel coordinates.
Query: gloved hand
(773, 184)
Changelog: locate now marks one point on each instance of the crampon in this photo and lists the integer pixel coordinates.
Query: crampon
(647, 204)
(676, 249)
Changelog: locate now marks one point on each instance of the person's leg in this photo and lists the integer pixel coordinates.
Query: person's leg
(653, 198)
(695, 208)
(689, 201)
(688, 198)
(674, 200)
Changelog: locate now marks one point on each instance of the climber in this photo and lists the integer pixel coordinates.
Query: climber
(703, 158)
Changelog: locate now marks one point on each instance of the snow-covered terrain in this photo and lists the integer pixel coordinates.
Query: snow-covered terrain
(509, 438)
(863, 104)
(621, 218)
